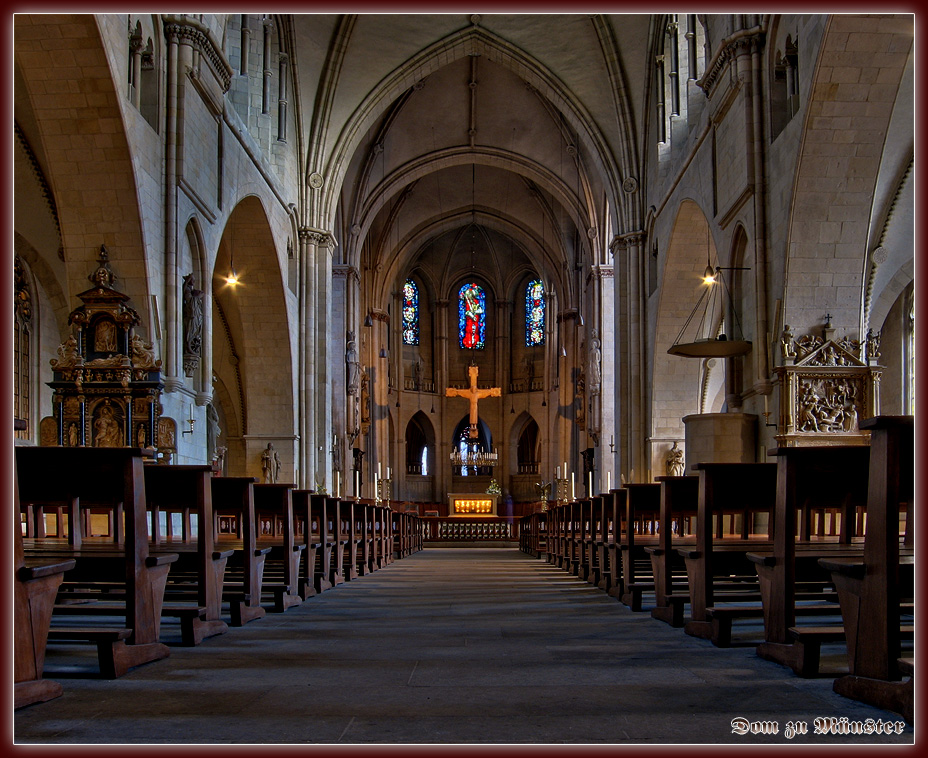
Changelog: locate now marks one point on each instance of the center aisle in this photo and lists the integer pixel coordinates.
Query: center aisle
(448, 646)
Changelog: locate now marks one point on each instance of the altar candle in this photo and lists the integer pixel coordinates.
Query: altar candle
(557, 474)
(590, 479)
(765, 406)
(573, 486)
(378, 469)
(608, 481)
(338, 484)
(388, 472)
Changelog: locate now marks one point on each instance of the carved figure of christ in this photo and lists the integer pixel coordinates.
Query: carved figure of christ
(473, 394)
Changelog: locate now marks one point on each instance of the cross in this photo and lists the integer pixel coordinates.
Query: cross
(473, 394)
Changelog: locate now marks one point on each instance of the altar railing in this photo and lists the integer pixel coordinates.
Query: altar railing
(464, 529)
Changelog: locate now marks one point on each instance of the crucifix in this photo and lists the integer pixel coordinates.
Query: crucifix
(473, 394)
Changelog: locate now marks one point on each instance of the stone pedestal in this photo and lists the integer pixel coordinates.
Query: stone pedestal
(720, 438)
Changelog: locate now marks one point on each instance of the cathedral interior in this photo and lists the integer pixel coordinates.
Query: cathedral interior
(317, 224)
(357, 284)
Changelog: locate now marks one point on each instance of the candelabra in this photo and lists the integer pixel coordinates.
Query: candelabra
(474, 458)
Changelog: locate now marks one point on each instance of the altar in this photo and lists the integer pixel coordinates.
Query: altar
(472, 504)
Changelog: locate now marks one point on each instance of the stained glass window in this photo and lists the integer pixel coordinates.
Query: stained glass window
(410, 313)
(472, 327)
(535, 313)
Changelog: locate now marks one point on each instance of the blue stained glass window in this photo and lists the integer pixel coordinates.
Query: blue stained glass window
(410, 313)
(472, 327)
(535, 313)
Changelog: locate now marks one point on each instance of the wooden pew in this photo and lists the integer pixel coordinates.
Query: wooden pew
(604, 510)
(616, 514)
(188, 489)
(556, 525)
(808, 478)
(349, 537)
(112, 476)
(639, 530)
(322, 527)
(599, 537)
(678, 503)
(725, 489)
(871, 591)
(338, 539)
(584, 542)
(34, 590)
(233, 496)
(308, 526)
(383, 523)
(364, 527)
(274, 503)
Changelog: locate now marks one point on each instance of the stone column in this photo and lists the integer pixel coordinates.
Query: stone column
(442, 477)
(316, 407)
(603, 276)
(174, 79)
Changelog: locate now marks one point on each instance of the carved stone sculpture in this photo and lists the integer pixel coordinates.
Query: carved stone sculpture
(193, 324)
(142, 353)
(595, 372)
(352, 367)
(675, 464)
(68, 353)
(270, 464)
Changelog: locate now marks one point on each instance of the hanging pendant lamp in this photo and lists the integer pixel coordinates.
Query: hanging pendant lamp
(701, 338)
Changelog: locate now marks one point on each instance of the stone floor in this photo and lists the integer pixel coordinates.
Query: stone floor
(447, 646)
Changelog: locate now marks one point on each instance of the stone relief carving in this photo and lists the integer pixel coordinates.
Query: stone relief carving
(69, 355)
(826, 386)
(142, 353)
(827, 405)
(106, 428)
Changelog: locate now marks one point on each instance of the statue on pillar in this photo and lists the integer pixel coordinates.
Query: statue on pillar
(352, 366)
(270, 464)
(595, 372)
(193, 325)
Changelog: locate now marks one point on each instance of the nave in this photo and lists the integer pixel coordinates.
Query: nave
(448, 646)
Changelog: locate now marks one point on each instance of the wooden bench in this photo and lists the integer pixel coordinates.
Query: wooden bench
(307, 522)
(873, 591)
(747, 489)
(638, 531)
(188, 489)
(348, 538)
(233, 497)
(112, 476)
(34, 591)
(604, 537)
(808, 479)
(678, 504)
(274, 502)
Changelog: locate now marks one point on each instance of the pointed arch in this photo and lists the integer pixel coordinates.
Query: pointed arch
(473, 41)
